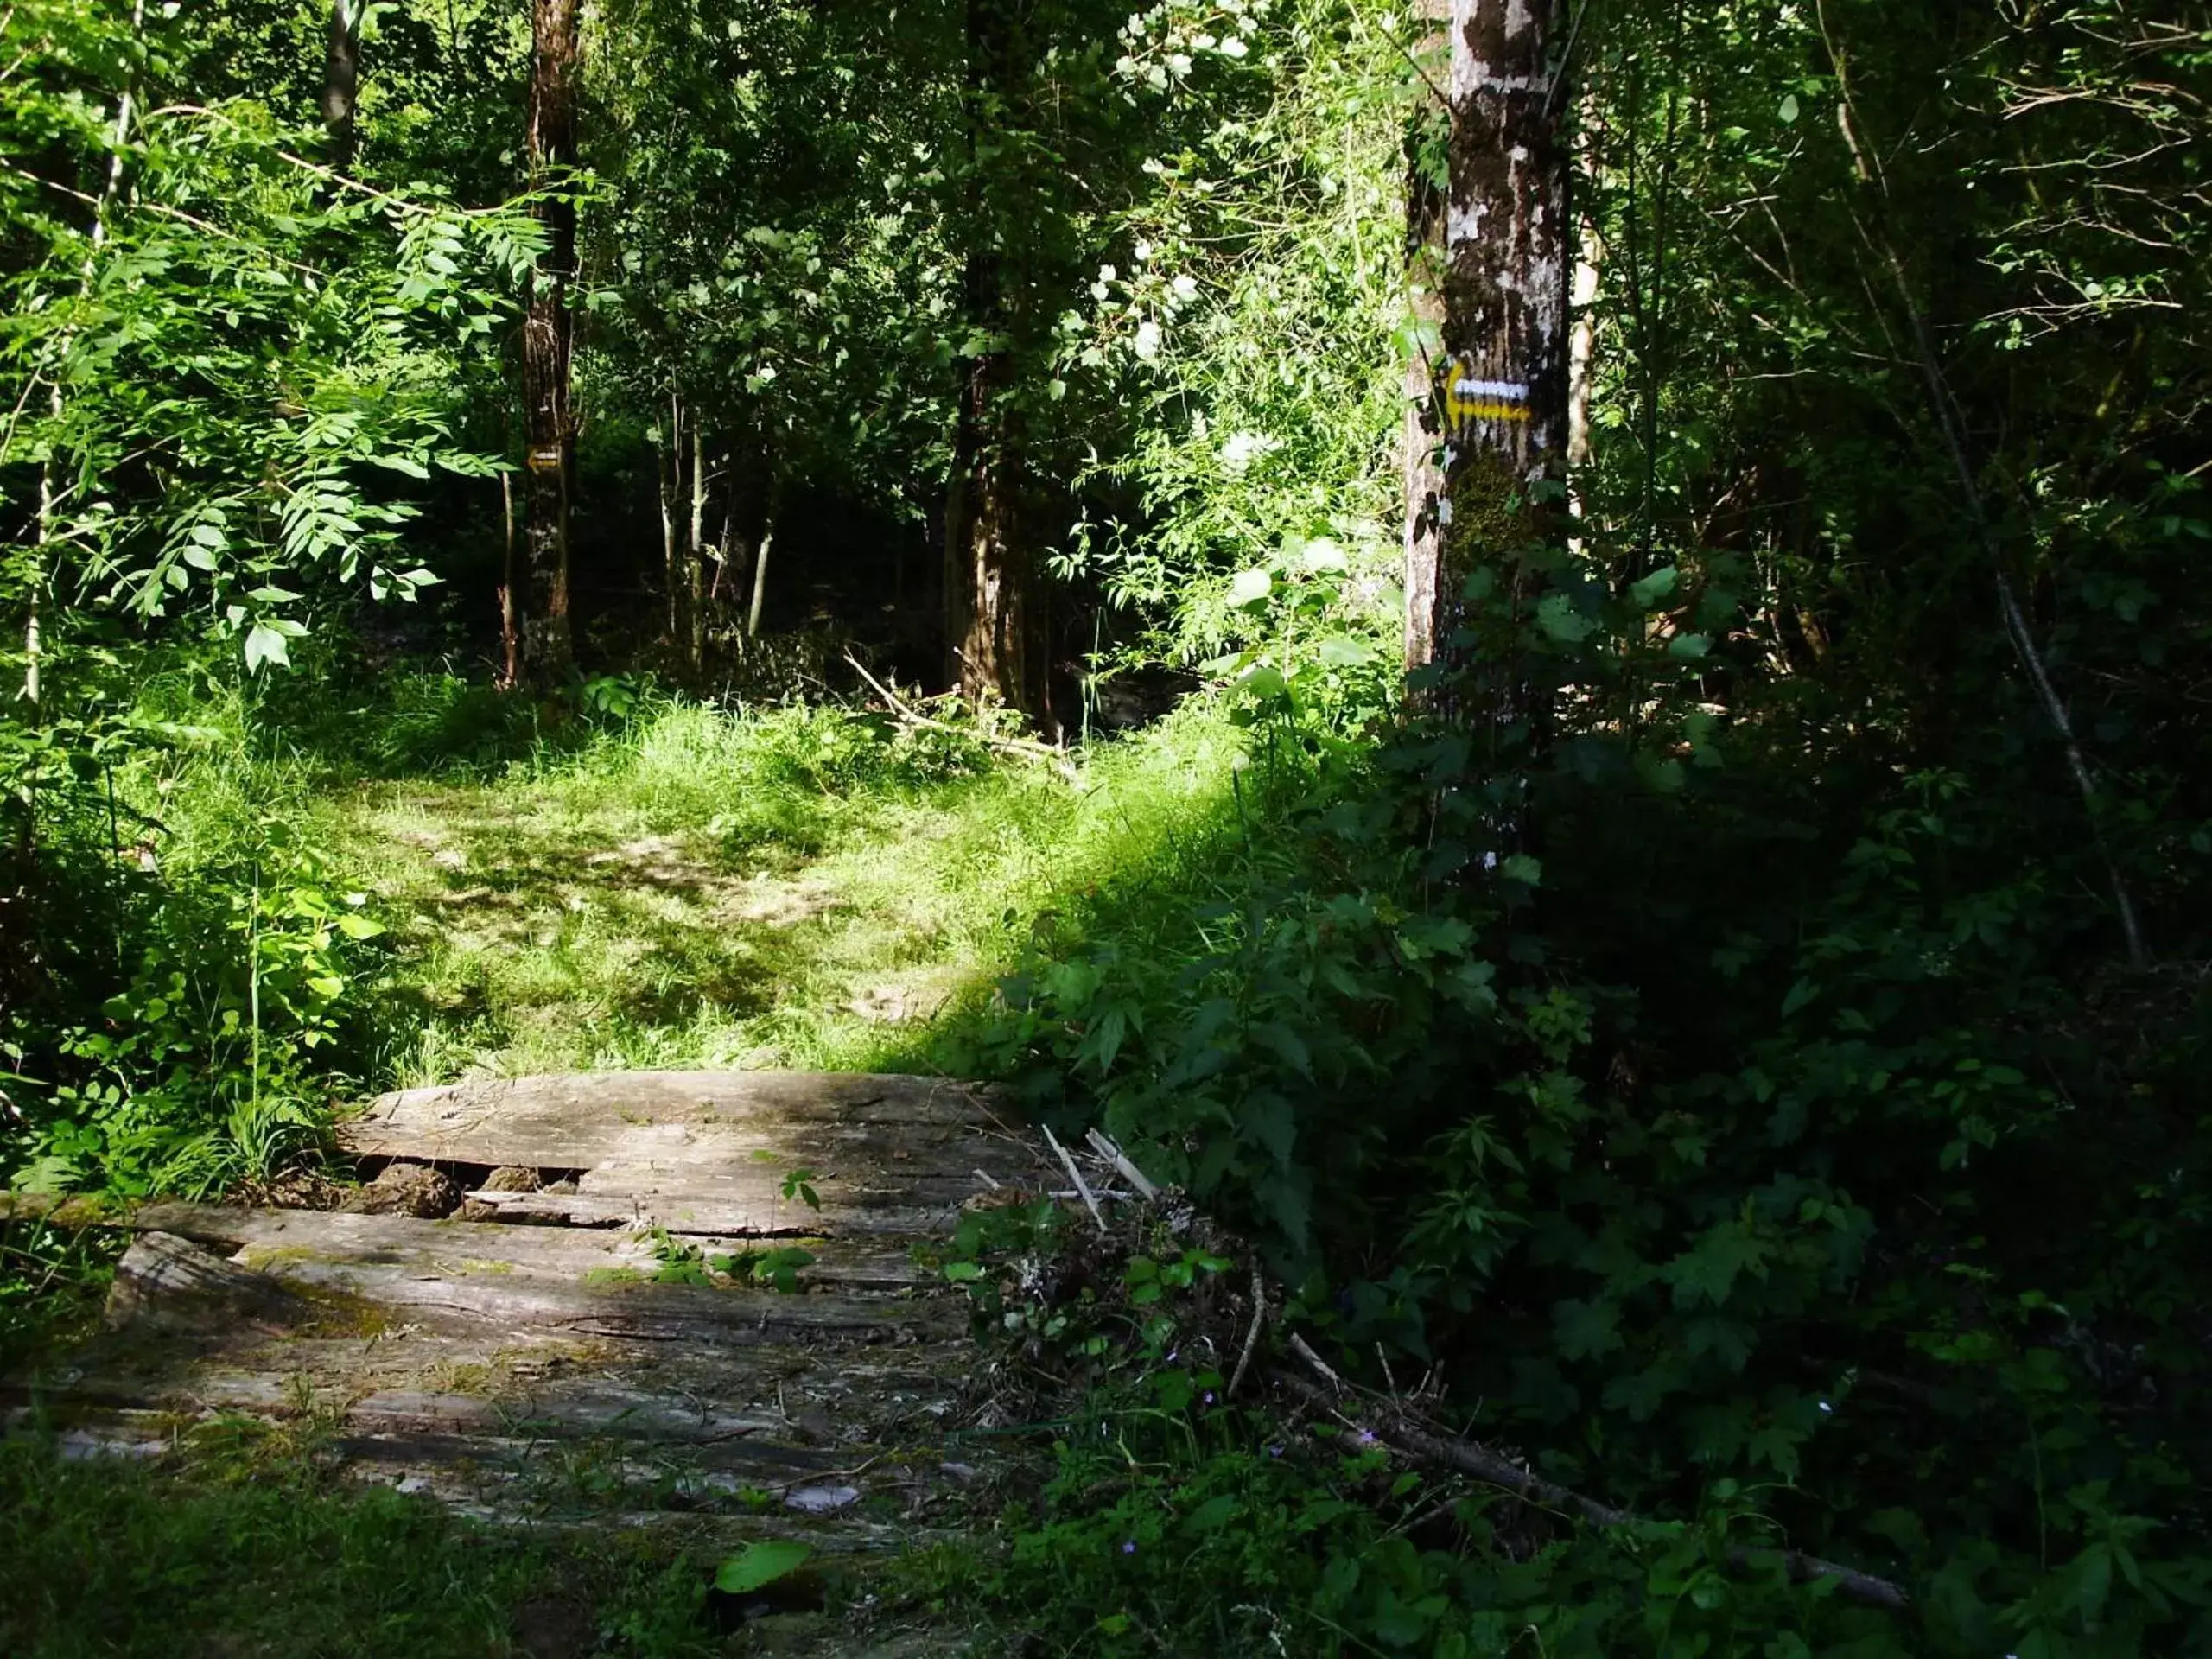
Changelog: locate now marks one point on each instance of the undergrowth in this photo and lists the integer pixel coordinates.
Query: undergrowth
(278, 900)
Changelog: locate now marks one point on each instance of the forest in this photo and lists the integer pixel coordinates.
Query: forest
(1538, 652)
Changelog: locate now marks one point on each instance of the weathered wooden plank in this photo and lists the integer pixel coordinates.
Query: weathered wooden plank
(819, 1394)
(181, 1285)
(574, 1122)
(639, 1310)
(734, 1217)
(510, 1480)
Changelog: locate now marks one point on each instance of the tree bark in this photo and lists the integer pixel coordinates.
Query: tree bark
(548, 342)
(994, 620)
(694, 640)
(760, 575)
(510, 585)
(668, 467)
(1503, 378)
(1423, 440)
(341, 78)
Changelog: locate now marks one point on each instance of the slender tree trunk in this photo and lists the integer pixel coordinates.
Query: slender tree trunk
(728, 551)
(1423, 440)
(341, 68)
(547, 344)
(668, 477)
(994, 613)
(760, 574)
(695, 560)
(510, 622)
(1504, 394)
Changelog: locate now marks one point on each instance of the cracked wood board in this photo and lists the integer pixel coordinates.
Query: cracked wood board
(725, 1117)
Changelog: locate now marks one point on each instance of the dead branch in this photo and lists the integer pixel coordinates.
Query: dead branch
(1082, 1186)
(908, 716)
(1392, 1424)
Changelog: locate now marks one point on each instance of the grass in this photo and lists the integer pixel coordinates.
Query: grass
(793, 887)
(251, 1551)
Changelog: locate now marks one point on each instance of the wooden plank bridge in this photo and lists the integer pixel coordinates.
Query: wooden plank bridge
(605, 1307)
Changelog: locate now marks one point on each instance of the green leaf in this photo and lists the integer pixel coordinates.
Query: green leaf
(1339, 651)
(1789, 109)
(1586, 1330)
(263, 646)
(1557, 617)
(1656, 586)
(1251, 586)
(760, 1564)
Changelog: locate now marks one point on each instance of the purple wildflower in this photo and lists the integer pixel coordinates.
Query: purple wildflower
(1129, 1547)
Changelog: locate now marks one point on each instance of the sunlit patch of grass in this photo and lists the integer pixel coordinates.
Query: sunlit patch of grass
(793, 887)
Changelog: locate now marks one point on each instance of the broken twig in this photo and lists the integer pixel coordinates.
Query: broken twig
(1252, 1335)
(1114, 1155)
(1082, 1186)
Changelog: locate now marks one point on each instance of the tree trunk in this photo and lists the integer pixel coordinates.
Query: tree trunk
(668, 468)
(1505, 373)
(1423, 440)
(341, 78)
(547, 343)
(510, 585)
(694, 639)
(994, 614)
(987, 578)
(760, 574)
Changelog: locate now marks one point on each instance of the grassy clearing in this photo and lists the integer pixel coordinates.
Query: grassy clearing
(668, 884)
